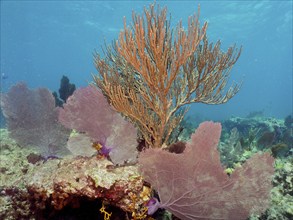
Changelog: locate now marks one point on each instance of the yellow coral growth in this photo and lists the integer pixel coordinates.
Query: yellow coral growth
(139, 212)
(107, 215)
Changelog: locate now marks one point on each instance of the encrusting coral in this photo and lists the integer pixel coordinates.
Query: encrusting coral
(152, 71)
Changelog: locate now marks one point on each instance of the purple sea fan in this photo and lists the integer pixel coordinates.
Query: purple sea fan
(32, 120)
(193, 185)
(88, 111)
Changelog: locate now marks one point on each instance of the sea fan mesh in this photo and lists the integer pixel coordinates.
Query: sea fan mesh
(88, 111)
(193, 185)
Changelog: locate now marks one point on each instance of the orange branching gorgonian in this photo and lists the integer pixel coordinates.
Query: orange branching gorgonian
(152, 71)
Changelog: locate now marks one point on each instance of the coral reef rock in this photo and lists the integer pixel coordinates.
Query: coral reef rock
(62, 181)
(53, 185)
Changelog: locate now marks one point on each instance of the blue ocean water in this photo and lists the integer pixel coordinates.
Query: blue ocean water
(43, 40)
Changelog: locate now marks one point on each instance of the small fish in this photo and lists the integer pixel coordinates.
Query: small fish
(4, 76)
(50, 157)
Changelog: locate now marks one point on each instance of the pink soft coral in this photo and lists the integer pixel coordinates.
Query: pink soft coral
(88, 111)
(193, 185)
(31, 118)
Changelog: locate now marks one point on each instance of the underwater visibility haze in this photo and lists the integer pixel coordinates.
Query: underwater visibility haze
(43, 40)
(107, 110)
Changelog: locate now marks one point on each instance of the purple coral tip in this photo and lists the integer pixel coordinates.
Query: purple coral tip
(153, 205)
(105, 151)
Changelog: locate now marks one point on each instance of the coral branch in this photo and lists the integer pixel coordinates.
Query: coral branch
(152, 71)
